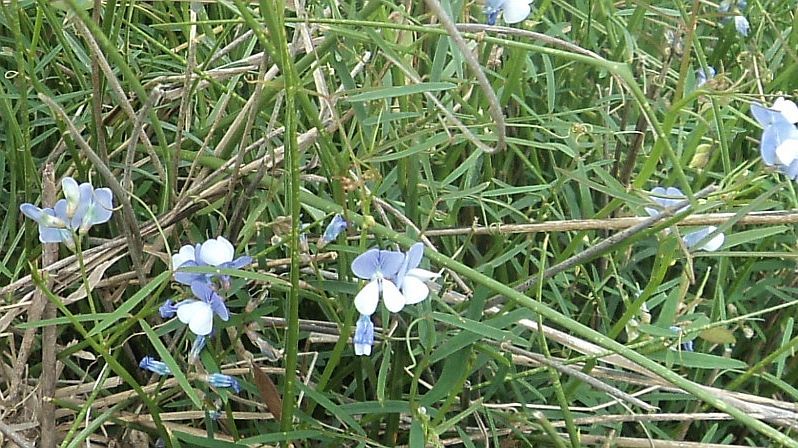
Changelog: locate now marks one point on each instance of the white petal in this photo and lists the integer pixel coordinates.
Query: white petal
(362, 350)
(715, 243)
(516, 10)
(185, 254)
(787, 151)
(787, 108)
(216, 252)
(414, 290)
(394, 300)
(198, 315)
(423, 274)
(367, 299)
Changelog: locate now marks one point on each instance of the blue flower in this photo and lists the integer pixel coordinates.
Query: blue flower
(198, 314)
(692, 239)
(701, 76)
(378, 266)
(168, 309)
(741, 25)
(334, 228)
(83, 207)
(216, 252)
(779, 142)
(669, 197)
(155, 366)
(220, 380)
(364, 336)
(665, 197)
(514, 10)
(411, 279)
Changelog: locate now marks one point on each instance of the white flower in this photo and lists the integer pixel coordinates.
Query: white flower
(378, 266)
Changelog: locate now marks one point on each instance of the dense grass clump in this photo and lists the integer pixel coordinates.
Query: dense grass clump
(573, 228)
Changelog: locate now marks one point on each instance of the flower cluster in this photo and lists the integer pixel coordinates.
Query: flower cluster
(779, 142)
(82, 207)
(735, 8)
(515, 11)
(198, 314)
(669, 197)
(393, 276)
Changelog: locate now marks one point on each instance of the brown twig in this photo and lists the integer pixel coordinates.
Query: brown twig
(48, 376)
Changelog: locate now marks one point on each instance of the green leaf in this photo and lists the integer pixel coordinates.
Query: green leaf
(394, 91)
(166, 357)
(127, 308)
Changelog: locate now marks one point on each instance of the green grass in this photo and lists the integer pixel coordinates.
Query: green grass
(254, 120)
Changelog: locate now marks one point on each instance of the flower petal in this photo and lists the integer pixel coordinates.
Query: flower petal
(102, 207)
(32, 212)
(764, 115)
(423, 274)
(185, 254)
(693, 238)
(218, 307)
(414, 290)
(85, 203)
(367, 299)
(366, 264)
(516, 11)
(787, 108)
(216, 251)
(198, 315)
(71, 193)
(787, 152)
(393, 298)
(773, 136)
(53, 235)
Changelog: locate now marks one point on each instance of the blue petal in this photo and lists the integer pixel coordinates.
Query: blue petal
(764, 115)
(366, 264)
(741, 25)
(238, 263)
(364, 336)
(792, 170)
(53, 235)
(167, 310)
(774, 135)
(222, 380)
(84, 204)
(336, 226)
(218, 307)
(102, 207)
(188, 278)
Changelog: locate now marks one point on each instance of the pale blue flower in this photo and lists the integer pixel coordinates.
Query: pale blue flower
(411, 279)
(514, 11)
(669, 197)
(216, 252)
(337, 225)
(83, 207)
(198, 314)
(220, 380)
(741, 25)
(666, 197)
(701, 76)
(364, 336)
(778, 145)
(378, 266)
(168, 309)
(155, 366)
(692, 239)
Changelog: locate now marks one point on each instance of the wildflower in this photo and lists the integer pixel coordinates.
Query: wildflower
(198, 314)
(196, 348)
(168, 309)
(692, 239)
(735, 8)
(514, 10)
(702, 76)
(334, 228)
(220, 380)
(364, 336)
(666, 197)
(741, 25)
(669, 197)
(83, 207)
(410, 278)
(378, 266)
(779, 142)
(155, 366)
(216, 252)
